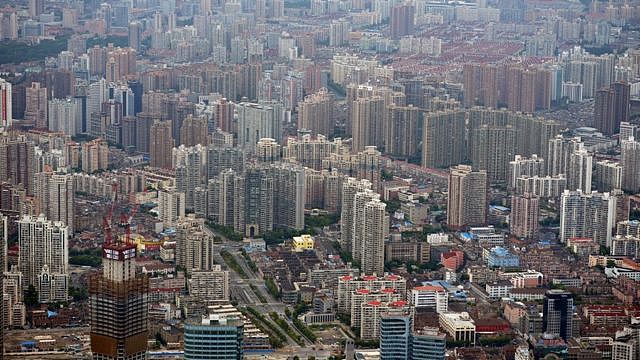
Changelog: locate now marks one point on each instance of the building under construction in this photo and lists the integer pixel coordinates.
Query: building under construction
(118, 304)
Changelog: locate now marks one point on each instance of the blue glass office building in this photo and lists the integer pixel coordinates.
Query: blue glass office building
(214, 338)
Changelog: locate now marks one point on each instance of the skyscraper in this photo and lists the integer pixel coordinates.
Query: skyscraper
(194, 131)
(557, 316)
(611, 107)
(587, 215)
(17, 162)
(6, 114)
(467, 198)
(189, 163)
(443, 142)
(395, 335)
(44, 258)
(402, 20)
(213, 337)
(171, 206)
(607, 176)
(350, 188)
(258, 202)
(366, 122)
(161, 143)
(289, 195)
(525, 212)
(257, 121)
(36, 7)
(630, 165)
(492, 147)
(60, 200)
(580, 170)
(65, 115)
(315, 113)
(428, 344)
(36, 106)
(374, 230)
(401, 130)
(118, 304)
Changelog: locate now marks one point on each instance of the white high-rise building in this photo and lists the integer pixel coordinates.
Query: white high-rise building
(580, 170)
(65, 115)
(587, 215)
(350, 188)
(630, 165)
(171, 205)
(375, 232)
(257, 121)
(43, 257)
(189, 163)
(6, 114)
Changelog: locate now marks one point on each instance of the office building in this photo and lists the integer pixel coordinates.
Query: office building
(558, 314)
(315, 113)
(430, 297)
(214, 337)
(171, 206)
(525, 214)
(35, 112)
(258, 121)
(428, 344)
(371, 312)
(402, 20)
(43, 257)
(585, 215)
(467, 197)
(118, 305)
(395, 335)
(459, 326)
(443, 142)
(630, 162)
(607, 176)
(6, 100)
(160, 144)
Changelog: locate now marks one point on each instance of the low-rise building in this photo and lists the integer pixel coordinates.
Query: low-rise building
(430, 297)
(459, 325)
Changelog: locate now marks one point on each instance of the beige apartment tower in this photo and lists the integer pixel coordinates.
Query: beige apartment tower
(467, 199)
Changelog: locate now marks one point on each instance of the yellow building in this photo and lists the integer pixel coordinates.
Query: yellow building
(302, 242)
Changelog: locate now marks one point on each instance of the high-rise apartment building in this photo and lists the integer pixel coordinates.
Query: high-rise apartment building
(492, 147)
(339, 33)
(289, 194)
(258, 202)
(366, 122)
(189, 163)
(557, 318)
(17, 162)
(6, 100)
(118, 305)
(210, 285)
(607, 175)
(611, 107)
(160, 144)
(36, 106)
(587, 215)
(315, 113)
(257, 121)
(559, 152)
(194, 131)
(401, 131)
(94, 155)
(36, 7)
(525, 167)
(630, 161)
(580, 170)
(171, 206)
(467, 198)
(402, 20)
(213, 335)
(350, 188)
(55, 193)
(480, 85)
(443, 142)
(375, 230)
(525, 212)
(65, 115)
(194, 246)
(628, 130)
(267, 151)
(310, 152)
(43, 257)
(221, 158)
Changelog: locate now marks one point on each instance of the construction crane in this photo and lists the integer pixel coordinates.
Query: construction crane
(107, 220)
(125, 221)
